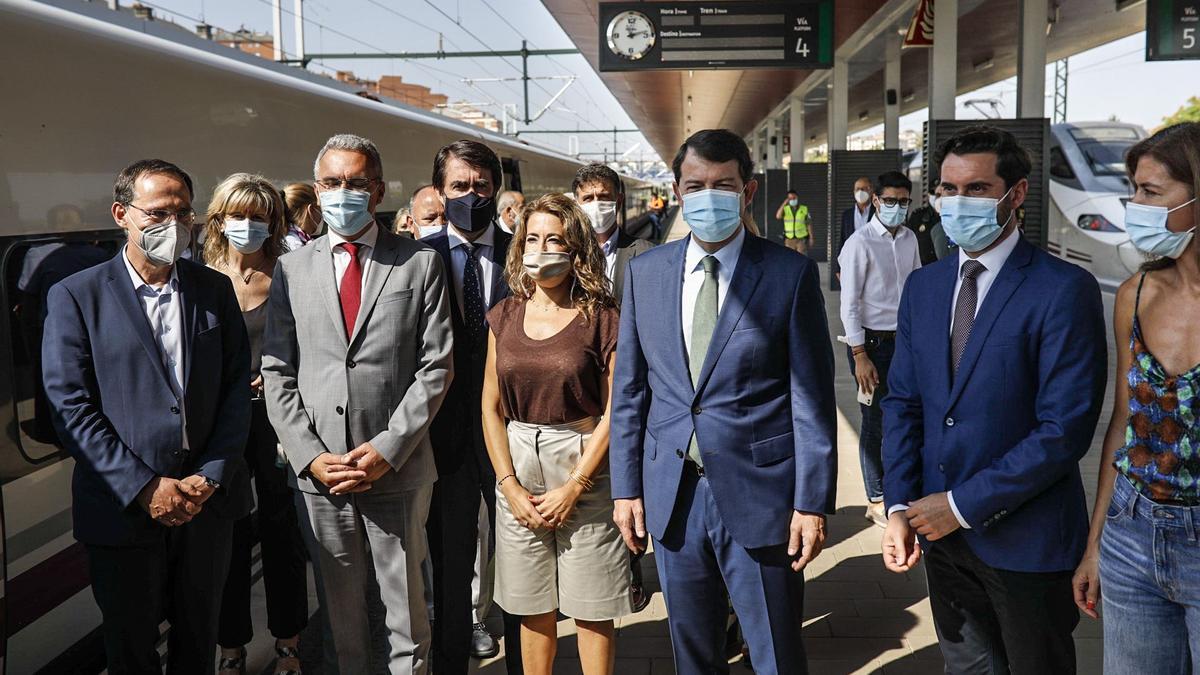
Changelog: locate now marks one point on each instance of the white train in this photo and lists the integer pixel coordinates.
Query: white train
(86, 92)
(1088, 191)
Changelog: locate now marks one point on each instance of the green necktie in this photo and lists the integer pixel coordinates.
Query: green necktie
(704, 320)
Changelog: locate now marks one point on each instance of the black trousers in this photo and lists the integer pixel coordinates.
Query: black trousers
(284, 565)
(179, 578)
(453, 529)
(992, 621)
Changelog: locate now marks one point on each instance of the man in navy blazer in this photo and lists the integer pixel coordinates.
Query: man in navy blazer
(995, 391)
(146, 365)
(723, 418)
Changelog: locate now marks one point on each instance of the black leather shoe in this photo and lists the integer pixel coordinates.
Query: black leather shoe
(483, 645)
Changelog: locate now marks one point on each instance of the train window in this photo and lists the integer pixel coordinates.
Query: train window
(29, 268)
(1106, 158)
(512, 173)
(1059, 167)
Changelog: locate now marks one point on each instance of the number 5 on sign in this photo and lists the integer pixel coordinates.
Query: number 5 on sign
(801, 48)
(1189, 38)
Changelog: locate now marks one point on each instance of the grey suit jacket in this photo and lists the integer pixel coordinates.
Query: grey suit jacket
(384, 385)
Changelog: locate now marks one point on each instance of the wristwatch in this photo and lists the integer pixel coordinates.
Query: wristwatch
(211, 483)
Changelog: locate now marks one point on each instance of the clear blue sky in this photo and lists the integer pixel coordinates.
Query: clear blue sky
(1111, 80)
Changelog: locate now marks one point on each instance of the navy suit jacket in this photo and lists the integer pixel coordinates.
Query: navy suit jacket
(1006, 432)
(763, 412)
(113, 405)
(457, 432)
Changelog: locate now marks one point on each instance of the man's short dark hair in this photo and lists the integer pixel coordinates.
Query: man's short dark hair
(597, 173)
(892, 179)
(473, 153)
(716, 145)
(1013, 161)
(793, 192)
(123, 187)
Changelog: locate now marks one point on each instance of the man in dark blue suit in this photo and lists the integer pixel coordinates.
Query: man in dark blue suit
(723, 418)
(995, 391)
(146, 366)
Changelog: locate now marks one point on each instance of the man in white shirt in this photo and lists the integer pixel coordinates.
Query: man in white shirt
(875, 262)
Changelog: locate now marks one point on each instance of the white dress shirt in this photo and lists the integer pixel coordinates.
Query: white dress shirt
(861, 216)
(875, 264)
(693, 278)
(341, 257)
(162, 306)
(609, 248)
(992, 262)
(458, 263)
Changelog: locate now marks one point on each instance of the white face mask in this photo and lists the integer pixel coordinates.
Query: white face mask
(936, 202)
(602, 214)
(862, 196)
(162, 244)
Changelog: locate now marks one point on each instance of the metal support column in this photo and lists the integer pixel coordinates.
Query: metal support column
(777, 130)
(797, 129)
(525, 76)
(1060, 91)
(277, 26)
(943, 61)
(839, 104)
(891, 92)
(1031, 59)
(299, 12)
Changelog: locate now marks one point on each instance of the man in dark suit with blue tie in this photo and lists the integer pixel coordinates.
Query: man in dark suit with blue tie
(473, 249)
(723, 389)
(995, 391)
(147, 367)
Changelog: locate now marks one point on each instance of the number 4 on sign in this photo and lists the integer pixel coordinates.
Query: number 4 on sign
(801, 48)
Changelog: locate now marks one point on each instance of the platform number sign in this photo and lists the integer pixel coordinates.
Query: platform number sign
(1172, 30)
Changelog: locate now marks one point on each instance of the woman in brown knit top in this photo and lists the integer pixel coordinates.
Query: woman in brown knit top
(546, 398)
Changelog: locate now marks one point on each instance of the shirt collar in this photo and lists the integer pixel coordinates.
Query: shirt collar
(611, 245)
(367, 238)
(876, 227)
(138, 282)
(994, 259)
(727, 257)
(486, 239)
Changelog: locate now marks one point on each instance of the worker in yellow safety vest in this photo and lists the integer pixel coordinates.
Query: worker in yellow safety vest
(796, 220)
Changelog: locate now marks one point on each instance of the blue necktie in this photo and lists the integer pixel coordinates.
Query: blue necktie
(473, 309)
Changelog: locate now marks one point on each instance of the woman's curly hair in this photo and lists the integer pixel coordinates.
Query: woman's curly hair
(589, 282)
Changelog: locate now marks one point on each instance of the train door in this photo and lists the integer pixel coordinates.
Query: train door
(512, 173)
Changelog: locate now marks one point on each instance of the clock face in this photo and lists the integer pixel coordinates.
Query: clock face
(630, 35)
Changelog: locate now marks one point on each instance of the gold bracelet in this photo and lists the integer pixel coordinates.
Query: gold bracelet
(577, 476)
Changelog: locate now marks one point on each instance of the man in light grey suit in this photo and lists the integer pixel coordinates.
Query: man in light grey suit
(356, 361)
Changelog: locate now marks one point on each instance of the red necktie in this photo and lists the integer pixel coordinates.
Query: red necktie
(350, 291)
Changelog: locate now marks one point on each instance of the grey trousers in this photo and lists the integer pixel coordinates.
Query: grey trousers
(379, 536)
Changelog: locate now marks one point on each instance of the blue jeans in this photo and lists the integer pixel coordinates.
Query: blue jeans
(870, 435)
(1150, 585)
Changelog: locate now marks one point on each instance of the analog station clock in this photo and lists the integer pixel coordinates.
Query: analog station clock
(630, 35)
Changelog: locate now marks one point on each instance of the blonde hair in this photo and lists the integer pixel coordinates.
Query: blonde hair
(297, 197)
(589, 287)
(243, 192)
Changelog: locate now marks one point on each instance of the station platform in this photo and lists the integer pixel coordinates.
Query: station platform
(859, 618)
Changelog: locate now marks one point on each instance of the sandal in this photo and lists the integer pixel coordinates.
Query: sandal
(233, 664)
(286, 653)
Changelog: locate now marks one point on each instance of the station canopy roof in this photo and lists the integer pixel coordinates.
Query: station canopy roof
(657, 101)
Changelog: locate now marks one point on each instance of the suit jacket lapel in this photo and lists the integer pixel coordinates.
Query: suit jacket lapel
(941, 324)
(383, 257)
(500, 243)
(741, 288)
(122, 290)
(1007, 281)
(188, 308)
(672, 280)
(327, 284)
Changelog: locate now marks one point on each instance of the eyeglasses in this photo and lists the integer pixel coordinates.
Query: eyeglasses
(356, 184)
(184, 217)
(892, 201)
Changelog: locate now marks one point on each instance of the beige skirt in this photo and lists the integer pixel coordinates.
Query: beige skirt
(580, 568)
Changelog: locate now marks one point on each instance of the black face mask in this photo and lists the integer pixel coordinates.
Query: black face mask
(470, 212)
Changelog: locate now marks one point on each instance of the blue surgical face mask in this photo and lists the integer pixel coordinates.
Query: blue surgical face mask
(713, 215)
(1147, 229)
(345, 211)
(247, 236)
(971, 222)
(892, 216)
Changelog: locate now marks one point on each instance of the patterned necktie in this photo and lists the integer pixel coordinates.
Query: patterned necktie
(964, 309)
(472, 294)
(704, 320)
(350, 290)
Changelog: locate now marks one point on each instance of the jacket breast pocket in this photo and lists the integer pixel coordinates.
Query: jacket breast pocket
(773, 450)
(398, 296)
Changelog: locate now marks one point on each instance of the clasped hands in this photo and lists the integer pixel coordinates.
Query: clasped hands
(172, 502)
(929, 516)
(350, 473)
(549, 510)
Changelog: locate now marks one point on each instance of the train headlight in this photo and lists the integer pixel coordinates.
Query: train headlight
(1096, 223)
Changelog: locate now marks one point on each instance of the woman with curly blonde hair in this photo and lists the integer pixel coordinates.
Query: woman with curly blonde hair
(546, 407)
(244, 236)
